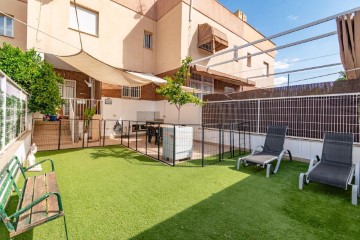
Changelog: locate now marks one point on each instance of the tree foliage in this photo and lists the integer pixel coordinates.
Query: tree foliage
(172, 91)
(35, 76)
(342, 76)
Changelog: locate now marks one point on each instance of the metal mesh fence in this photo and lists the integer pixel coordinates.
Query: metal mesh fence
(306, 116)
(173, 144)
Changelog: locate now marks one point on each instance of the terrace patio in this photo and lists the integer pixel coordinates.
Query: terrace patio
(115, 193)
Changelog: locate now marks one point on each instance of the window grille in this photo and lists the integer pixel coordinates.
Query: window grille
(131, 92)
(147, 40)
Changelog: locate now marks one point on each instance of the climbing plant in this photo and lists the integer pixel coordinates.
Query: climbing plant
(35, 76)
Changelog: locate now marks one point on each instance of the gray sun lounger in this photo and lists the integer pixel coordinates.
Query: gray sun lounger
(335, 167)
(272, 150)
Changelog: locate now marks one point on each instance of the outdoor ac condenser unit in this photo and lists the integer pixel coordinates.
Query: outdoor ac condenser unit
(183, 143)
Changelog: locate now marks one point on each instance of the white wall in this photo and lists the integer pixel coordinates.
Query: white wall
(19, 148)
(189, 113)
(126, 109)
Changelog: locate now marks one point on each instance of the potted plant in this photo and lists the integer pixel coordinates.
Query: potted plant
(88, 114)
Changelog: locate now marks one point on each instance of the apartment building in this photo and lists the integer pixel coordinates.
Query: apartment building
(145, 36)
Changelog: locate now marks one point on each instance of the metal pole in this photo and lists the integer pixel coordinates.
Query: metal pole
(104, 133)
(219, 142)
(121, 133)
(129, 125)
(239, 129)
(278, 34)
(258, 118)
(146, 138)
(158, 141)
(278, 48)
(59, 135)
(99, 132)
(203, 147)
(83, 134)
(288, 84)
(136, 136)
(174, 146)
(223, 143)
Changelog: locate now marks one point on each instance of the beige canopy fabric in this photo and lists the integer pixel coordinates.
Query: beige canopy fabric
(221, 76)
(349, 40)
(103, 72)
(210, 35)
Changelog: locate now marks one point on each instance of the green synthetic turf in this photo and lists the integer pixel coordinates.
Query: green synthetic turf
(114, 193)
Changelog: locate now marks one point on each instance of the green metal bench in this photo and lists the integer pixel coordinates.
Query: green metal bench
(39, 199)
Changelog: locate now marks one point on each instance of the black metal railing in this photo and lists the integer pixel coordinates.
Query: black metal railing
(173, 144)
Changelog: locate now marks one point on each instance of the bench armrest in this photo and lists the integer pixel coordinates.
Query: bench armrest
(36, 202)
(51, 161)
(256, 148)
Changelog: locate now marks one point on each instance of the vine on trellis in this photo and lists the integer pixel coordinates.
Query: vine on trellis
(1, 118)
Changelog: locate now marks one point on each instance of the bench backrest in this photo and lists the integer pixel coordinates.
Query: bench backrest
(7, 183)
(275, 138)
(338, 148)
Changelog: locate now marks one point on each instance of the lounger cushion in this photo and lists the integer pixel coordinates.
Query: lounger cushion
(332, 174)
(260, 158)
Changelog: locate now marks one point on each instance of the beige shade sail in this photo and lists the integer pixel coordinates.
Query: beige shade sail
(103, 72)
(349, 41)
(201, 70)
(211, 39)
(148, 76)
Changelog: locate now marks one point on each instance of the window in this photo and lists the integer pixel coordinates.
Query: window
(148, 40)
(229, 90)
(6, 26)
(266, 69)
(249, 59)
(88, 20)
(203, 83)
(131, 92)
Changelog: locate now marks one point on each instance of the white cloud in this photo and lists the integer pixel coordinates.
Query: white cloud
(285, 63)
(293, 17)
(280, 80)
(281, 64)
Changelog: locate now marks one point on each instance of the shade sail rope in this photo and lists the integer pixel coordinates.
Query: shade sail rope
(37, 29)
(77, 20)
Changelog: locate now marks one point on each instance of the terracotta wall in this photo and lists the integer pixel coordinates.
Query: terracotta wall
(147, 92)
(219, 86)
(82, 90)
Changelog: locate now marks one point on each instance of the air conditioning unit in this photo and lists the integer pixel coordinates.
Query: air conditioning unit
(229, 90)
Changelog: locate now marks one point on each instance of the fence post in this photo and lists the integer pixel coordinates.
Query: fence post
(239, 129)
(121, 133)
(203, 147)
(136, 136)
(129, 126)
(59, 135)
(219, 142)
(223, 143)
(146, 138)
(158, 141)
(174, 146)
(231, 141)
(258, 118)
(83, 134)
(104, 133)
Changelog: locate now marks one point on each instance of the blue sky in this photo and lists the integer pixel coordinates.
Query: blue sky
(273, 16)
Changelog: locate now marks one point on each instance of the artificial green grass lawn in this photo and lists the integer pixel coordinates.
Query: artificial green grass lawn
(114, 193)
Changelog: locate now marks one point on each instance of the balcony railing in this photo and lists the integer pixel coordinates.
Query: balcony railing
(74, 107)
